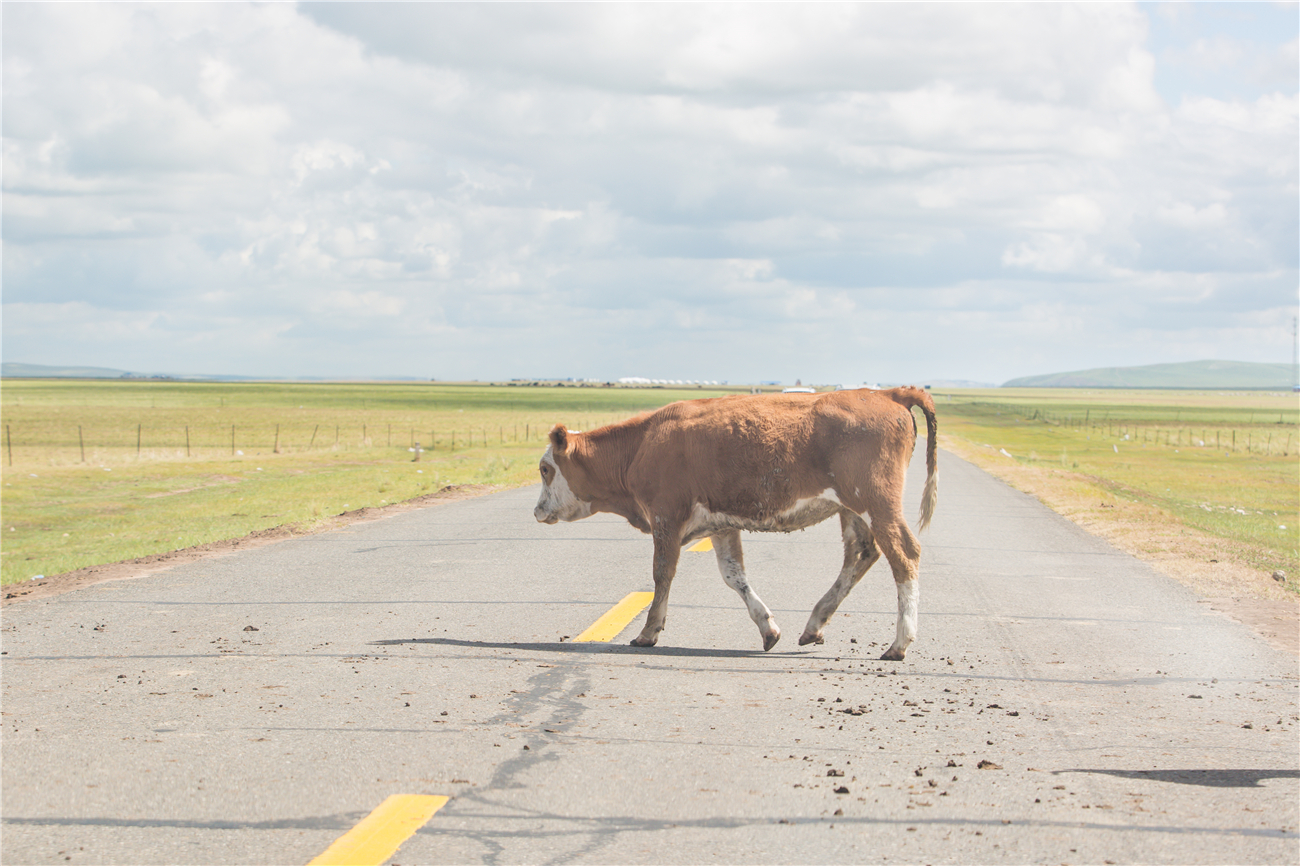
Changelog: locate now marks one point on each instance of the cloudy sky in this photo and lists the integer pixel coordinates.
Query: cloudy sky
(838, 193)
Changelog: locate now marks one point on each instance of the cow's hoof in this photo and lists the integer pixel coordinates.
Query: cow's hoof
(770, 640)
(806, 639)
(644, 641)
(893, 655)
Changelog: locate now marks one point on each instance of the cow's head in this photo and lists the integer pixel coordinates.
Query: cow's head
(558, 500)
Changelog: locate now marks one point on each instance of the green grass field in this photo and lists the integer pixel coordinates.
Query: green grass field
(160, 471)
(109, 470)
(1223, 463)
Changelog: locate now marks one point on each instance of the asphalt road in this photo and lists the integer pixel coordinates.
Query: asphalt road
(428, 653)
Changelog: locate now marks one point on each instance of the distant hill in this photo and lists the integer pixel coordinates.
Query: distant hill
(1226, 375)
(14, 370)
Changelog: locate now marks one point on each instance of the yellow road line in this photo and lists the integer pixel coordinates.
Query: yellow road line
(382, 832)
(701, 546)
(608, 626)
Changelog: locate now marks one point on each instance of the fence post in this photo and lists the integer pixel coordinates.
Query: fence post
(82, 443)
(390, 435)
(275, 449)
(363, 435)
(10, 442)
(187, 441)
(314, 431)
(336, 434)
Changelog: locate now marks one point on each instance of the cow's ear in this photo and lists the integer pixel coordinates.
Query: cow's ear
(560, 438)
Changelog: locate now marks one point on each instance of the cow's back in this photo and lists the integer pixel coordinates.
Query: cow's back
(757, 456)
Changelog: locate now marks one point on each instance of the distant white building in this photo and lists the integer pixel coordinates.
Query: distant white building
(641, 380)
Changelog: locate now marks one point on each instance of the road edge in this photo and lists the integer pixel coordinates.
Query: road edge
(1235, 590)
(130, 569)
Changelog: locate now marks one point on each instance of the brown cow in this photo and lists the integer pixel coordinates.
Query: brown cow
(767, 463)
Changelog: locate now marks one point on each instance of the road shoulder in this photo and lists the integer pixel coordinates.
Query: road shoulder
(57, 584)
(1211, 567)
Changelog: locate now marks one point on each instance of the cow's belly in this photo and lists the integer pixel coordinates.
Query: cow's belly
(803, 514)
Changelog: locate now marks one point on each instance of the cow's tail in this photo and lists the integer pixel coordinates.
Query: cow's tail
(910, 397)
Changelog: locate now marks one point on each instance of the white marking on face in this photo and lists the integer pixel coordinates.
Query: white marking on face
(557, 501)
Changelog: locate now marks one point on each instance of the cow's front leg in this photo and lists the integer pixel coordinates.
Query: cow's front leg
(668, 548)
(731, 562)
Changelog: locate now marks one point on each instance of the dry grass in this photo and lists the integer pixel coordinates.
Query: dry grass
(1220, 520)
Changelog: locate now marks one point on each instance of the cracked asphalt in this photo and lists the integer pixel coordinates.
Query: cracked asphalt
(1063, 703)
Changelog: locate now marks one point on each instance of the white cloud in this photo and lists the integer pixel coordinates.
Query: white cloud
(701, 191)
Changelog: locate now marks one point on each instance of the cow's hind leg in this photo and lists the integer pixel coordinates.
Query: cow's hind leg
(904, 554)
(860, 553)
(731, 562)
(667, 550)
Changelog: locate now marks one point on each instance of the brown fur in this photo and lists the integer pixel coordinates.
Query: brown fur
(714, 466)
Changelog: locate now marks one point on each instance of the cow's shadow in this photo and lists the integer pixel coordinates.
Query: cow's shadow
(595, 648)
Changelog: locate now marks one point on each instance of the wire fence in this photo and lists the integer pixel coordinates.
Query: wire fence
(1275, 440)
(97, 443)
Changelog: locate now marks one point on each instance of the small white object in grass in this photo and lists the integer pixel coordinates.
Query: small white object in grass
(38, 577)
(259, 469)
(1116, 447)
(419, 472)
(1279, 526)
(36, 476)
(240, 453)
(1003, 452)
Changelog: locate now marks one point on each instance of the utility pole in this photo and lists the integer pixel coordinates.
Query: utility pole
(1295, 359)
